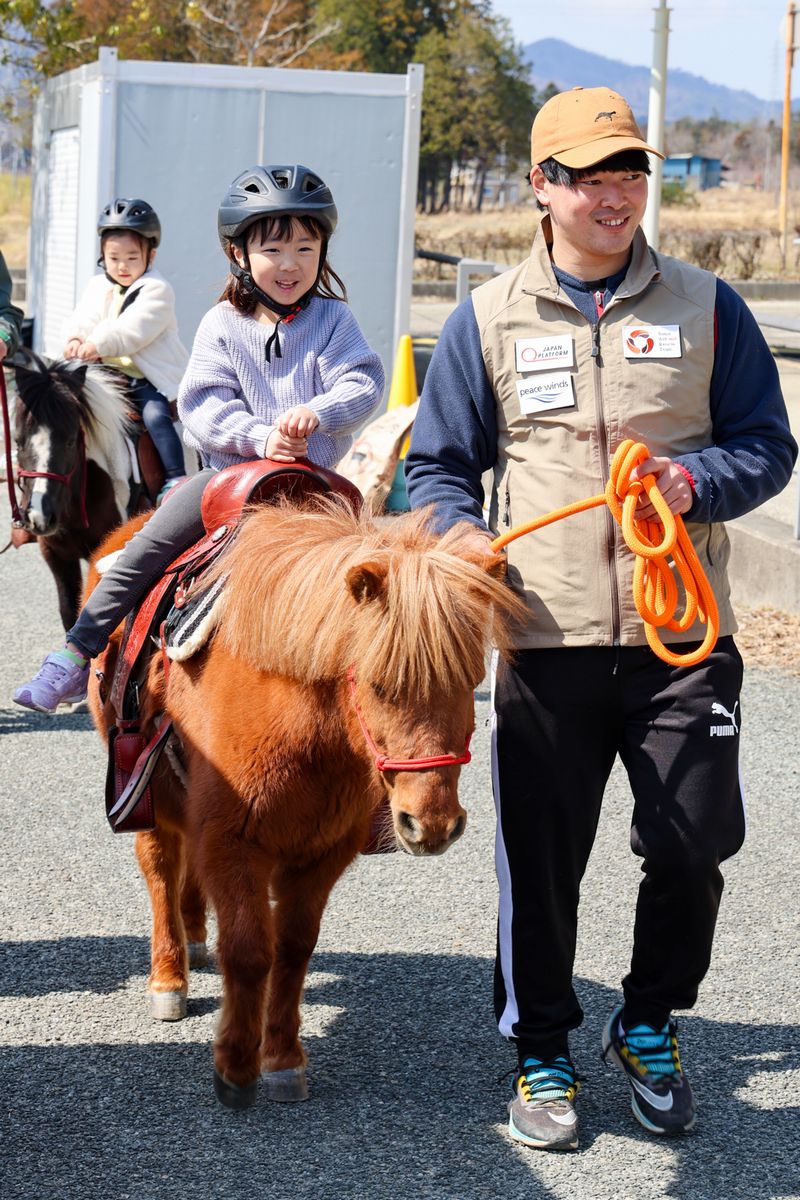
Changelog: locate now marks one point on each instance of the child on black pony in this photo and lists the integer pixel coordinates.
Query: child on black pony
(126, 320)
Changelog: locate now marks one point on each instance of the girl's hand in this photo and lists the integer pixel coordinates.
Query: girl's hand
(285, 449)
(72, 347)
(298, 422)
(87, 352)
(672, 483)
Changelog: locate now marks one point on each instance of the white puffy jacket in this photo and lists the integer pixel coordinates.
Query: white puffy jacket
(146, 331)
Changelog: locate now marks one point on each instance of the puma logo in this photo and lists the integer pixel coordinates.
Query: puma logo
(608, 115)
(719, 710)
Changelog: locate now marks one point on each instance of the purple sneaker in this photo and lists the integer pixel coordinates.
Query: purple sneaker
(59, 680)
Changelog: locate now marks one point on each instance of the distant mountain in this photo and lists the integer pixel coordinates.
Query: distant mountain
(554, 61)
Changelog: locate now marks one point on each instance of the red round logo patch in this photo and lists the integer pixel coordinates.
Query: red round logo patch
(639, 341)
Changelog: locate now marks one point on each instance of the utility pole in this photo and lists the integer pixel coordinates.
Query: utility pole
(787, 124)
(655, 120)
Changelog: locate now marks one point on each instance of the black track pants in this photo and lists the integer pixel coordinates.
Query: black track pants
(561, 717)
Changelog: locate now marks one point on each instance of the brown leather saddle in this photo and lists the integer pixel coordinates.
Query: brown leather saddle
(132, 757)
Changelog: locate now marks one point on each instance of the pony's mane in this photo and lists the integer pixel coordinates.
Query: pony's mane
(52, 395)
(288, 608)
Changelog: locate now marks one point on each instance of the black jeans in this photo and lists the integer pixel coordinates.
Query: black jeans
(562, 716)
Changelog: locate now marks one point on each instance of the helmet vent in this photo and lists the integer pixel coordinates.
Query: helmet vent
(311, 183)
(252, 187)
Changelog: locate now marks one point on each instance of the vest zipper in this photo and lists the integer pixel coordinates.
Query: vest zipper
(610, 524)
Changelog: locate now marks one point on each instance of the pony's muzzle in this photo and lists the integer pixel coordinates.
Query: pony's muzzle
(428, 837)
(39, 514)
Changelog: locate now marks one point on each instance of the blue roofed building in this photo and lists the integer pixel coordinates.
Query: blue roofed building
(695, 171)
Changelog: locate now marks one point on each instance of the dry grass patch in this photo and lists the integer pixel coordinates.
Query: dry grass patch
(770, 639)
(732, 232)
(15, 209)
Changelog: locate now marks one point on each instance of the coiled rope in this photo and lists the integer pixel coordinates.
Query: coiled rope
(655, 592)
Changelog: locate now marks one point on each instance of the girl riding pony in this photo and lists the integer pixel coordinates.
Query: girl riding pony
(279, 369)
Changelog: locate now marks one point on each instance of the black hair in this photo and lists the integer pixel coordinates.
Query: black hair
(149, 245)
(279, 228)
(626, 160)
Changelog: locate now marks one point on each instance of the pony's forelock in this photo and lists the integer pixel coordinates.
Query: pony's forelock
(288, 608)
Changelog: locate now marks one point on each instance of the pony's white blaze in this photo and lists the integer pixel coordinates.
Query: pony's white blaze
(41, 448)
(107, 445)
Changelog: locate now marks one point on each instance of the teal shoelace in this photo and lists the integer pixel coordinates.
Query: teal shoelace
(655, 1049)
(553, 1080)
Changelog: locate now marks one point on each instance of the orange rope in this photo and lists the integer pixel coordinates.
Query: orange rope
(655, 592)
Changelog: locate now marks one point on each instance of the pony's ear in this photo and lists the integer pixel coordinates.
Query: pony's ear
(496, 565)
(73, 370)
(367, 582)
(493, 564)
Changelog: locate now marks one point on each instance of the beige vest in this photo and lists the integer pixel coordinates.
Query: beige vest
(577, 575)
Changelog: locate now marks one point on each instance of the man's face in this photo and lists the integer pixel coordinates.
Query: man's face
(596, 218)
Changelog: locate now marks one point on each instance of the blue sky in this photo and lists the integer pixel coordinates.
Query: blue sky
(739, 43)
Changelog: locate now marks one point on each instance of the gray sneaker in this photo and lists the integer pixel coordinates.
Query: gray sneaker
(542, 1113)
(59, 680)
(661, 1097)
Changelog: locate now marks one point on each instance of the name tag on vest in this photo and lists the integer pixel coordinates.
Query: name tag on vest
(545, 393)
(544, 353)
(651, 341)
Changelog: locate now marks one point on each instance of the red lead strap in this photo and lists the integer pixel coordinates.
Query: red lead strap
(384, 763)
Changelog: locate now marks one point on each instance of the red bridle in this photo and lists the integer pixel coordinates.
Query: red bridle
(67, 479)
(384, 763)
(16, 514)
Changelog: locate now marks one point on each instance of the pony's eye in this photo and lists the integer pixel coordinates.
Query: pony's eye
(379, 690)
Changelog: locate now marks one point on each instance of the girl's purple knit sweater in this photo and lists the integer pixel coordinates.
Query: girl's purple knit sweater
(231, 397)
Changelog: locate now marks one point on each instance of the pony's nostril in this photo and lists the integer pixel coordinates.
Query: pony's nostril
(458, 828)
(407, 823)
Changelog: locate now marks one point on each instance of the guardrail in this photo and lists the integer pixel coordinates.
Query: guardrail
(465, 269)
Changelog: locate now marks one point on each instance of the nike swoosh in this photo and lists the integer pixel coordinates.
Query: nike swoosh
(663, 1103)
(567, 1119)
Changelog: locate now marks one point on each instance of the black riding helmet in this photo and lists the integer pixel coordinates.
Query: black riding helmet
(130, 216)
(273, 191)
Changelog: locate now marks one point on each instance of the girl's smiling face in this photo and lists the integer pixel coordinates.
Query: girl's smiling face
(284, 268)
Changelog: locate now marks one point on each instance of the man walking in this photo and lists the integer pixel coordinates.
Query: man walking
(537, 378)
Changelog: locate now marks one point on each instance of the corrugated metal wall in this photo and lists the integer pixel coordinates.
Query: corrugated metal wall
(176, 134)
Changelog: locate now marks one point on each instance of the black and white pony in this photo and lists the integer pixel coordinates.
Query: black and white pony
(76, 462)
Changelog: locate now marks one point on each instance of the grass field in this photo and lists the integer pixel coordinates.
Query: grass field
(732, 232)
(15, 207)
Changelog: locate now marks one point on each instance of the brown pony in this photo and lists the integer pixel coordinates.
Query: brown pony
(341, 672)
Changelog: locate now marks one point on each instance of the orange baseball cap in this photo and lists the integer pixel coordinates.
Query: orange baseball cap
(582, 127)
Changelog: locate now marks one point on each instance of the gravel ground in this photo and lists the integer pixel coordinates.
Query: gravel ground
(407, 1095)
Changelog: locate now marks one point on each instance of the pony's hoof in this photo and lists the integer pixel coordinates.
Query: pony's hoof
(167, 1006)
(233, 1096)
(198, 954)
(287, 1086)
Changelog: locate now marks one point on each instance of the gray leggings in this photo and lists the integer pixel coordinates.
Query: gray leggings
(172, 529)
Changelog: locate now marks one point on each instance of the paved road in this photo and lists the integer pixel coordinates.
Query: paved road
(100, 1103)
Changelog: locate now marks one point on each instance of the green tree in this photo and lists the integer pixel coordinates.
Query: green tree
(477, 108)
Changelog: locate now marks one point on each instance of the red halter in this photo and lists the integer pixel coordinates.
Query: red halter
(384, 763)
(67, 479)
